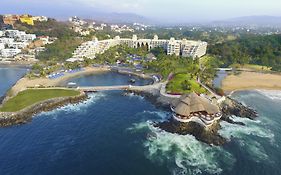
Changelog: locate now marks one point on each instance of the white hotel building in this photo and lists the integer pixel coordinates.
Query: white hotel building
(184, 48)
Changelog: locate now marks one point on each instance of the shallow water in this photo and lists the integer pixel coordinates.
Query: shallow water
(108, 79)
(221, 75)
(113, 134)
(8, 77)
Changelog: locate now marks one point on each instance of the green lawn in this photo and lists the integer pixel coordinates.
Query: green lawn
(32, 96)
(175, 85)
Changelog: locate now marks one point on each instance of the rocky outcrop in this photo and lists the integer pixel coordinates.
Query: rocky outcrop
(233, 107)
(207, 135)
(25, 115)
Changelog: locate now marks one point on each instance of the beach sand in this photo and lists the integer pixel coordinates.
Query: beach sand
(252, 80)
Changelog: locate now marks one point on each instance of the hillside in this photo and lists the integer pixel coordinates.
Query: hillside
(261, 50)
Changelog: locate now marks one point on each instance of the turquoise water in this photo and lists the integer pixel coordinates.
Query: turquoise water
(113, 134)
(108, 79)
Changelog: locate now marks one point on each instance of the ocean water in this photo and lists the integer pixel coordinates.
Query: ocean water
(114, 134)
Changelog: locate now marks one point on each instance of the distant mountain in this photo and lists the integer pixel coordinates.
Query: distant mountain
(116, 17)
(121, 18)
(252, 20)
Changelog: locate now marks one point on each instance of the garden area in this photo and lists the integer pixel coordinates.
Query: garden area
(184, 83)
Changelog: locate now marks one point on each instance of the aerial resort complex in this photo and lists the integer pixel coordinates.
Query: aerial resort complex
(194, 108)
(184, 48)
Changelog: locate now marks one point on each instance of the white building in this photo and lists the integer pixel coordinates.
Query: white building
(9, 53)
(91, 48)
(2, 46)
(40, 18)
(184, 48)
(6, 40)
(1, 33)
(20, 35)
(18, 45)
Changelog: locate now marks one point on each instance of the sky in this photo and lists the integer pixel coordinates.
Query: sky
(163, 10)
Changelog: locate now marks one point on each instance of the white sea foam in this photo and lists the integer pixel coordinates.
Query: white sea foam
(160, 114)
(133, 95)
(80, 107)
(272, 94)
(183, 154)
(252, 127)
(254, 149)
(244, 135)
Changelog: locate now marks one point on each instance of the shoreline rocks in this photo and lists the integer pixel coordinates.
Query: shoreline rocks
(233, 107)
(25, 115)
(208, 135)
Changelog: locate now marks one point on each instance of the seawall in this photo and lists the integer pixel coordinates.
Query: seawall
(25, 115)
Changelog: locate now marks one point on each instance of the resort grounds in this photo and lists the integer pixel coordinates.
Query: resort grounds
(25, 82)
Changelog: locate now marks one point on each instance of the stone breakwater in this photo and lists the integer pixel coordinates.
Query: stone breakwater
(25, 115)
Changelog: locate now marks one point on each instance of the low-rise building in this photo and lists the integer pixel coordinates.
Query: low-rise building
(2, 46)
(40, 18)
(10, 19)
(6, 41)
(1, 33)
(17, 45)
(9, 53)
(27, 19)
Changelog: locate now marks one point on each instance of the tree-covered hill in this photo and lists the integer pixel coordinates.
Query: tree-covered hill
(261, 50)
(51, 28)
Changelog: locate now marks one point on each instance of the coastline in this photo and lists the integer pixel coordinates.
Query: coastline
(25, 115)
(24, 83)
(251, 81)
(4, 64)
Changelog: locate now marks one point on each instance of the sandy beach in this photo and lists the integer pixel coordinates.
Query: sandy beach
(252, 80)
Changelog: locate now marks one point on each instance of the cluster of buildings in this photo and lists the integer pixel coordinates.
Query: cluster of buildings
(139, 26)
(184, 48)
(84, 28)
(120, 29)
(10, 19)
(18, 45)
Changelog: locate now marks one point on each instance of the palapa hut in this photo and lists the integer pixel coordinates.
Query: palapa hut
(195, 108)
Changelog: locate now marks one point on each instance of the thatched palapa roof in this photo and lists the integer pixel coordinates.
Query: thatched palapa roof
(192, 103)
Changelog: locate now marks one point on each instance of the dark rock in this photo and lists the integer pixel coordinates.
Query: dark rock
(229, 120)
(209, 136)
(233, 107)
(25, 115)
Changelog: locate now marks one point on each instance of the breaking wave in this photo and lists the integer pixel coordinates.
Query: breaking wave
(183, 154)
(80, 107)
(272, 94)
(246, 136)
(162, 115)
